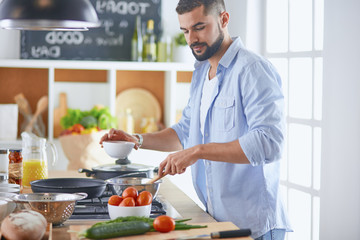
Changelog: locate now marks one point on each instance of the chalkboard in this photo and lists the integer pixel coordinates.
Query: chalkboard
(111, 41)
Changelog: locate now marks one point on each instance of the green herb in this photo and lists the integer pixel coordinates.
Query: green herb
(180, 40)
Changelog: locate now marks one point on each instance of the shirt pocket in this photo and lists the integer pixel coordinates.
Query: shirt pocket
(224, 114)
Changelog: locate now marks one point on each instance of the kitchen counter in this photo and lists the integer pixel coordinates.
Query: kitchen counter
(180, 201)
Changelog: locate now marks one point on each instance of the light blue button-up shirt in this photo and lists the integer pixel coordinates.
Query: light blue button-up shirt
(247, 105)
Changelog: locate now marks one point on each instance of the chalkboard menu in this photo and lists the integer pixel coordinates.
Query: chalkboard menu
(111, 41)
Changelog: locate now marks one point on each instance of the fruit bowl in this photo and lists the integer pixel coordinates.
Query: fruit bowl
(124, 211)
(118, 149)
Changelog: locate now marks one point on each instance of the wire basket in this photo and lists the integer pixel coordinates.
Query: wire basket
(55, 207)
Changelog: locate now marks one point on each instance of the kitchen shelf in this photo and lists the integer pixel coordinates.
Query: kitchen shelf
(173, 72)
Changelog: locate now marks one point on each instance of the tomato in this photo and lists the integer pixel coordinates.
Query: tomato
(77, 128)
(115, 200)
(164, 224)
(128, 202)
(144, 198)
(130, 192)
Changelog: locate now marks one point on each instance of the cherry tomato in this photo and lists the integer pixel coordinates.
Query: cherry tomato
(164, 224)
(144, 198)
(115, 200)
(130, 192)
(128, 202)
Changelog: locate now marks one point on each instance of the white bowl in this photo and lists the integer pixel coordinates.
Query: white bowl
(7, 206)
(9, 185)
(120, 211)
(10, 189)
(118, 149)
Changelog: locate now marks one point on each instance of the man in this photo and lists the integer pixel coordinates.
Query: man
(232, 129)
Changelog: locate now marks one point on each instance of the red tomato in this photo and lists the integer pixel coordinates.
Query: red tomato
(128, 202)
(77, 128)
(130, 192)
(115, 200)
(164, 224)
(144, 198)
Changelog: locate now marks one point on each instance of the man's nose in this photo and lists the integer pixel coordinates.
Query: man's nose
(192, 38)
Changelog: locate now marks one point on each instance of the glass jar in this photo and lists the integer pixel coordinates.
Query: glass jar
(15, 166)
(4, 162)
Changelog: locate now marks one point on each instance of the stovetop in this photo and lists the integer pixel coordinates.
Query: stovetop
(96, 208)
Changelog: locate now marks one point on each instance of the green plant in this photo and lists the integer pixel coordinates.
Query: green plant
(180, 40)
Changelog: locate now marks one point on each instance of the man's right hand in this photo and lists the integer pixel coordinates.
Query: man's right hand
(119, 135)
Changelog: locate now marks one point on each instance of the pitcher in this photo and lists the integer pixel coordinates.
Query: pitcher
(35, 164)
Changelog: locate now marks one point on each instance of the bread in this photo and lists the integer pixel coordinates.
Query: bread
(24, 225)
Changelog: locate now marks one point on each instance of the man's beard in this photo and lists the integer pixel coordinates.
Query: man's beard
(210, 50)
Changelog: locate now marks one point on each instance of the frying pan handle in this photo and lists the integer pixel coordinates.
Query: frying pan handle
(88, 172)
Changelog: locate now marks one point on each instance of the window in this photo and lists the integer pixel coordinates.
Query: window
(293, 43)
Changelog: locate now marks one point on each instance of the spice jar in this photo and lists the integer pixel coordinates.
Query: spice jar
(15, 166)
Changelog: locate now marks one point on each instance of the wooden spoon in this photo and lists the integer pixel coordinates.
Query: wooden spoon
(154, 179)
(41, 105)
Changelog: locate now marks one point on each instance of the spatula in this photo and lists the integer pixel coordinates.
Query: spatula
(154, 179)
(40, 107)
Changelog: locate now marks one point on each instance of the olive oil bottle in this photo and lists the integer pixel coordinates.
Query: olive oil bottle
(149, 51)
(137, 42)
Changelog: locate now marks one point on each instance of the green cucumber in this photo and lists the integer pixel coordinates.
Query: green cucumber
(116, 229)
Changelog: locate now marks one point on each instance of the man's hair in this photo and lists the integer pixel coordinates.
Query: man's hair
(210, 6)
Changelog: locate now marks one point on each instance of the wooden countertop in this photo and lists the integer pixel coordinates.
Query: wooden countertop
(186, 207)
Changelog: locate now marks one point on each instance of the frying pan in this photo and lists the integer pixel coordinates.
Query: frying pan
(93, 187)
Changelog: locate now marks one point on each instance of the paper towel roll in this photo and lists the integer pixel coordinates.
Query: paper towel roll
(8, 121)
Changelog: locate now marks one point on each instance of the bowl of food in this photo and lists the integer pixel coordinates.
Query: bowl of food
(118, 149)
(55, 207)
(118, 184)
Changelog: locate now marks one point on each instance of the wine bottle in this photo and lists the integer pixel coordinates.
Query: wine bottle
(150, 43)
(137, 41)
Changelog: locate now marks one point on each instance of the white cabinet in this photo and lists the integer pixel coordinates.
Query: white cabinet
(170, 72)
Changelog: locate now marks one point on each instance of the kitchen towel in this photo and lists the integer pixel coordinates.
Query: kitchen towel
(8, 121)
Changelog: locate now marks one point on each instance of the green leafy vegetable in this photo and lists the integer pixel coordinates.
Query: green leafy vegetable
(89, 122)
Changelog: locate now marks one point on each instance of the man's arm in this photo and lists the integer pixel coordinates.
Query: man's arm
(165, 140)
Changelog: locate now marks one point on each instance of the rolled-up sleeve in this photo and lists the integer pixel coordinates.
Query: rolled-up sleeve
(263, 103)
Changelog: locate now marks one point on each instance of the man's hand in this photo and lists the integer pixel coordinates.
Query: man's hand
(118, 135)
(176, 163)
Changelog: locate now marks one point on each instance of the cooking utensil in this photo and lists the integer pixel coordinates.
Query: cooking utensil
(92, 187)
(41, 106)
(154, 179)
(221, 234)
(119, 170)
(55, 207)
(118, 184)
(59, 112)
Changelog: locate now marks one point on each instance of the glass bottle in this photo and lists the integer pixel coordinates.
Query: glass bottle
(149, 49)
(130, 122)
(15, 166)
(137, 41)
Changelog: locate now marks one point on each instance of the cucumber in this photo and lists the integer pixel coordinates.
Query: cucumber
(116, 229)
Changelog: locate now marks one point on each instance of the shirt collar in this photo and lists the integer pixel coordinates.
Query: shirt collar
(228, 56)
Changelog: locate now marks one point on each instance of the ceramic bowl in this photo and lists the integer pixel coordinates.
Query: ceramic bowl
(9, 190)
(7, 206)
(120, 211)
(118, 149)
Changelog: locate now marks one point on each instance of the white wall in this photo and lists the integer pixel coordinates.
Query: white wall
(340, 182)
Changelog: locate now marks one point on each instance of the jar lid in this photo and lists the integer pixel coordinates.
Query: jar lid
(3, 177)
(15, 150)
(3, 151)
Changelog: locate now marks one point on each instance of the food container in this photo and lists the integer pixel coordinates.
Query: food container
(118, 184)
(123, 211)
(7, 206)
(55, 207)
(118, 149)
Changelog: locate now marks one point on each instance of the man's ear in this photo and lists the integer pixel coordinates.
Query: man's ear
(224, 19)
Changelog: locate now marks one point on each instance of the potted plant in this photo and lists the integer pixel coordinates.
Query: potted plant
(181, 51)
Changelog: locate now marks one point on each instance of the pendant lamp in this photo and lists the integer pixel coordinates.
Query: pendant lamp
(61, 15)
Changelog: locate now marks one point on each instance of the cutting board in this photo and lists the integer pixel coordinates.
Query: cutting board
(212, 227)
(59, 112)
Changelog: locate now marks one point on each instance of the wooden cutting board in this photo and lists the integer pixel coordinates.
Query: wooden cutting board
(212, 227)
(59, 112)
